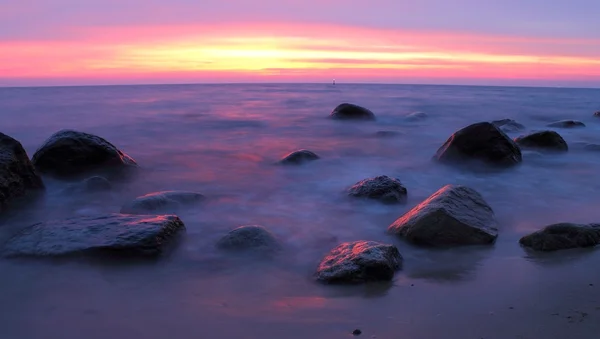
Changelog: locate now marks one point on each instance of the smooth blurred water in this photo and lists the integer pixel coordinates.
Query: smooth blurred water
(223, 141)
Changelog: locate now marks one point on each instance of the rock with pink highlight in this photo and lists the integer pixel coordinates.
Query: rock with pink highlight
(452, 216)
(113, 234)
(359, 262)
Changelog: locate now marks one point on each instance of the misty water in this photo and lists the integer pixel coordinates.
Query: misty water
(223, 141)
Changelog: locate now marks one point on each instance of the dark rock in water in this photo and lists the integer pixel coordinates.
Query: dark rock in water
(114, 234)
(482, 142)
(358, 262)
(597, 114)
(416, 116)
(452, 216)
(508, 125)
(17, 174)
(567, 124)
(543, 141)
(97, 183)
(161, 202)
(70, 153)
(299, 157)
(387, 134)
(382, 188)
(347, 111)
(356, 332)
(249, 238)
(563, 236)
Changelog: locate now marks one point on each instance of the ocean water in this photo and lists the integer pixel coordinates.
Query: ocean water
(223, 141)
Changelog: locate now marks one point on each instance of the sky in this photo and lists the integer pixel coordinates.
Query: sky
(489, 42)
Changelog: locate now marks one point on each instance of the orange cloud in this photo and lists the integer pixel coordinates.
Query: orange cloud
(294, 52)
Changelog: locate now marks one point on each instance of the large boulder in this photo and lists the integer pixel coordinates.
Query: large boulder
(161, 202)
(299, 157)
(251, 237)
(543, 141)
(482, 142)
(70, 153)
(114, 234)
(508, 125)
(382, 188)
(17, 174)
(453, 216)
(562, 236)
(359, 262)
(348, 111)
(567, 124)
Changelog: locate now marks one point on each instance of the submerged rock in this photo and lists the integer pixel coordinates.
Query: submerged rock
(17, 174)
(382, 188)
(348, 111)
(161, 202)
(249, 237)
(97, 183)
(387, 134)
(452, 216)
(562, 236)
(586, 146)
(299, 157)
(543, 141)
(358, 262)
(116, 234)
(508, 125)
(592, 147)
(70, 153)
(482, 142)
(567, 124)
(416, 116)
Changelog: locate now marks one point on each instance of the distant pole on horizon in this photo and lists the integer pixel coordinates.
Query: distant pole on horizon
(333, 82)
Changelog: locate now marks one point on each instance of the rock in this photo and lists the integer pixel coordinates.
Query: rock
(117, 234)
(17, 174)
(347, 111)
(357, 332)
(562, 236)
(382, 188)
(453, 216)
(387, 134)
(358, 262)
(70, 153)
(249, 238)
(508, 125)
(161, 202)
(97, 183)
(592, 147)
(482, 142)
(586, 146)
(416, 116)
(299, 157)
(567, 124)
(597, 114)
(543, 141)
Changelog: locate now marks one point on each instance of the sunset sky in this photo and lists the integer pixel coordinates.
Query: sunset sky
(509, 42)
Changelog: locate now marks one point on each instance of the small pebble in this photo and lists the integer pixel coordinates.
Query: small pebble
(357, 332)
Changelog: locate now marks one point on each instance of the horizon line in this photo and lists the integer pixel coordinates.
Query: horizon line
(337, 83)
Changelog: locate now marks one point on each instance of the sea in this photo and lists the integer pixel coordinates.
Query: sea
(224, 141)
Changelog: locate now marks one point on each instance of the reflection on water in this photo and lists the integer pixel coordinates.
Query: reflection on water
(222, 141)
